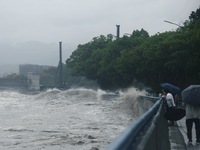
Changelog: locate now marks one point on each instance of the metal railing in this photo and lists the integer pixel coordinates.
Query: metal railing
(149, 132)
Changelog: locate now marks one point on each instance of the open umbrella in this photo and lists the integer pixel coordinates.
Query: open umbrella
(172, 88)
(174, 114)
(191, 94)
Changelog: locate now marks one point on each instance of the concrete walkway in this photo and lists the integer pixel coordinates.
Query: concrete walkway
(178, 137)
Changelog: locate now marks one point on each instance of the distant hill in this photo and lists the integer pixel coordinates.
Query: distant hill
(8, 69)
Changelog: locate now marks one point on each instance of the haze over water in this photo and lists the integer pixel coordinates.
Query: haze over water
(78, 119)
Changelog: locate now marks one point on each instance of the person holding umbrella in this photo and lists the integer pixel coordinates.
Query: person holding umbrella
(191, 99)
(172, 112)
(170, 105)
(192, 116)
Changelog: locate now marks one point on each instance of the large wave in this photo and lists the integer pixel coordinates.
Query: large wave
(77, 118)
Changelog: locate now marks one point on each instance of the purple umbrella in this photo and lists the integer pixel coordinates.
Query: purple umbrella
(172, 88)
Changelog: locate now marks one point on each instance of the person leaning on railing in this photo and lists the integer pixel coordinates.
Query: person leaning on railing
(169, 102)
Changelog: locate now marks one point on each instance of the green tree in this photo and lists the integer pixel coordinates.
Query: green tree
(164, 57)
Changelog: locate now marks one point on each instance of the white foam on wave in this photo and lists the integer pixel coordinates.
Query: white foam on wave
(78, 117)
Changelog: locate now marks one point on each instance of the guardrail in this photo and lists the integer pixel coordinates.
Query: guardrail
(149, 132)
(150, 98)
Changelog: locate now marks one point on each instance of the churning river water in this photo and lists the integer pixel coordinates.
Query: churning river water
(75, 119)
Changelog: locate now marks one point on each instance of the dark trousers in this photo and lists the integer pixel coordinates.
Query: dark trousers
(189, 124)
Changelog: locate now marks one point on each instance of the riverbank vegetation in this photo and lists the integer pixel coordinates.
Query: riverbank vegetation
(172, 56)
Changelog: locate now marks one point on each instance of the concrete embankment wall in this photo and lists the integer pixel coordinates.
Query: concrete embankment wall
(148, 132)
(157, 137)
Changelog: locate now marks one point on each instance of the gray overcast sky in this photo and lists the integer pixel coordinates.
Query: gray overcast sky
(31, 29)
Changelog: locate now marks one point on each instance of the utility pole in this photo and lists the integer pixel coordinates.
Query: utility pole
(60, 65)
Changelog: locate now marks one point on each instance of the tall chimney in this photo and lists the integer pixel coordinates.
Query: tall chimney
(60, 65)
(118, 30)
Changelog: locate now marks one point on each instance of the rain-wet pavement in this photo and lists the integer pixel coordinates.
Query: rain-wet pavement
(178, 137)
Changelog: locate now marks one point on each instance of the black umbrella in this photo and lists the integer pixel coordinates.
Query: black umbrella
(174, 114)
(191, 94)
(172, 88)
